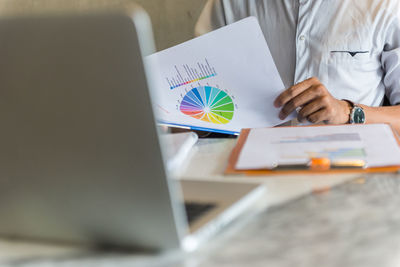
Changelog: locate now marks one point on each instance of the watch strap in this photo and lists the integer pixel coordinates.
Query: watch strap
(352, 105)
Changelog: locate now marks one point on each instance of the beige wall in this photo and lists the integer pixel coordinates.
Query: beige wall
(173, 20)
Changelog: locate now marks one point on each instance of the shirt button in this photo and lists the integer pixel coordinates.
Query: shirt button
(302, 37)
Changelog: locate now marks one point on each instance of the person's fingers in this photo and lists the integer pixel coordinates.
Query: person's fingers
(314, 92)
(294, 91)
(301, 119)
(321, 115)
(313, 107)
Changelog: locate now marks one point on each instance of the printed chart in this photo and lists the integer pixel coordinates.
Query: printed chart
(339, 137)
(208, 104)
(189, 74)
(214, 83)
(339, 153)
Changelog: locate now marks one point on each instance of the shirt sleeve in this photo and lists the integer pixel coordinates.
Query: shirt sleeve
(391, 60)
(212, 17)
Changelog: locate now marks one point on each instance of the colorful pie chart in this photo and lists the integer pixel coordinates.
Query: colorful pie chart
(208, 104)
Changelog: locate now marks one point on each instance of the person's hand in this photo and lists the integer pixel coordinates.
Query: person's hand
(314, 104)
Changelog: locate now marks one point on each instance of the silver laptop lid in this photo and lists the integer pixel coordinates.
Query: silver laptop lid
(80, 160)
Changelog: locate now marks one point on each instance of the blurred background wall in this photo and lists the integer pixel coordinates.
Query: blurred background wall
(173, 20)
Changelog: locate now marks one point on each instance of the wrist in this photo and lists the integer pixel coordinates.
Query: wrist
(347, 108)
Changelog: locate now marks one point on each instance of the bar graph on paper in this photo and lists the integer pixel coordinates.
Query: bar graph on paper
(187, 74)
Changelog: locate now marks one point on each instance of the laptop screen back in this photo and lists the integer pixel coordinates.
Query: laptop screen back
(79, 152)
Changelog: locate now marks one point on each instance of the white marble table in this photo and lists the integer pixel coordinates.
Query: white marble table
(354, 224)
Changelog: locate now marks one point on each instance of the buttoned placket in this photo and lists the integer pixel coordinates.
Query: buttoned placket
(302, 41)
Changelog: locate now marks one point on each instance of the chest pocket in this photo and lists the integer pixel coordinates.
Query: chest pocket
(363, 60)
(352, 52)
(353, 73)
(355, 54)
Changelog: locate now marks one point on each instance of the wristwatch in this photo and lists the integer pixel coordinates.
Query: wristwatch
(357, 114)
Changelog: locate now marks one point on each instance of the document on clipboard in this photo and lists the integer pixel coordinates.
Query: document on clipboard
(363, 147)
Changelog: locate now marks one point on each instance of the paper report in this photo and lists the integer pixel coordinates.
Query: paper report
(222, 81)
(270, 147)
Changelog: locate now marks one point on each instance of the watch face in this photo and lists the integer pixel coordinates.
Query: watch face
(359, 115)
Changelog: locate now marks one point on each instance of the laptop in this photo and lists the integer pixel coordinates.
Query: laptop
(81, 161)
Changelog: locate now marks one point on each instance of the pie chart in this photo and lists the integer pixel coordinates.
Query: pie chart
(208, 104)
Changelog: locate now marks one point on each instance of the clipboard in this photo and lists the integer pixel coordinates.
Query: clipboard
(233, 159)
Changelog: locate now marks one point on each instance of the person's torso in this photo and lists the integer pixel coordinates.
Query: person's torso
(339, 42)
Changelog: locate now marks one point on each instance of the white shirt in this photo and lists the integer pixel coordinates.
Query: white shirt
(352, 46)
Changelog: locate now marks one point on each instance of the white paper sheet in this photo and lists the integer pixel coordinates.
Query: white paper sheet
(269, 147)
(222, 81)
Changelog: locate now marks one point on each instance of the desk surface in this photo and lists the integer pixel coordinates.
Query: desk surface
(355, 224)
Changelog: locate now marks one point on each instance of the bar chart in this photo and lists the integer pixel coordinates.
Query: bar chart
(187, 74)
